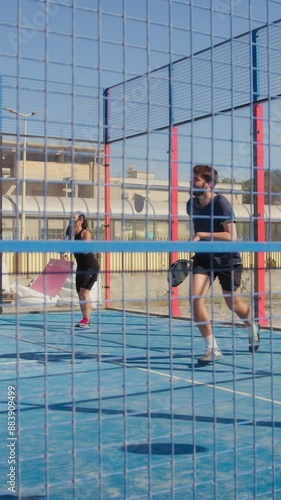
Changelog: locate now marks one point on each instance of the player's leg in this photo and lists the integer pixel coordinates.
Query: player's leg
(231, 283)
(199, 289)
(85, 305)
(84, 283)
(200, 284)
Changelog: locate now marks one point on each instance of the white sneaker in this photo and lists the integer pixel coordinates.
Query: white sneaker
(254, 337)
(210, 356)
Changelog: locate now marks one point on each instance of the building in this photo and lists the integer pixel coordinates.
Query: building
(58, 179)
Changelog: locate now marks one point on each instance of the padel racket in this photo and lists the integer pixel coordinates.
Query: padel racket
(178, 271)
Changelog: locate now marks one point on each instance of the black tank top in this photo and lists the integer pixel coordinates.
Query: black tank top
(85, 261)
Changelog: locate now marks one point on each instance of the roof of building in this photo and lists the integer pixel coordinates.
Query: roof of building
(54, 206)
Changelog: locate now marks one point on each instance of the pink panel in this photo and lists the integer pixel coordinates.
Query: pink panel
(53, 277)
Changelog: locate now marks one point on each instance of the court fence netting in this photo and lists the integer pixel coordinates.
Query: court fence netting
(105, 109)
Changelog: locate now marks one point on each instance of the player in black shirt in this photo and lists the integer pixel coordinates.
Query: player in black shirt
(87, 267)
(213, 220)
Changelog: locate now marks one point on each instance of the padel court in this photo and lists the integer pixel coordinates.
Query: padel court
(123, 410)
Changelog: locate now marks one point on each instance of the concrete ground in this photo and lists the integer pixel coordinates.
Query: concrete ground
(150, 293)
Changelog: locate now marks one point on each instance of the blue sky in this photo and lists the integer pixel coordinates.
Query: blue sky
(107, 41)
(100, 43)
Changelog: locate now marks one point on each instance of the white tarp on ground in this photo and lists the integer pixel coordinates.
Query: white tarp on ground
(25, 296)
(66, 296)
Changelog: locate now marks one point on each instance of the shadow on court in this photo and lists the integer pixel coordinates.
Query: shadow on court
(69, 407)
(40, 357)
(165, 449)
(132, 395)
(33, 497)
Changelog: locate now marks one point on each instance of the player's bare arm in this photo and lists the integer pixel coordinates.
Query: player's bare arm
(229, 234)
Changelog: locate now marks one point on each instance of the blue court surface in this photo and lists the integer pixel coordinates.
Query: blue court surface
(124, 411)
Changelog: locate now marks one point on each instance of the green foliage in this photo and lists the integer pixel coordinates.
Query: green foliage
(271, 263)
(246, 186)
(272, 188)
(229, 180)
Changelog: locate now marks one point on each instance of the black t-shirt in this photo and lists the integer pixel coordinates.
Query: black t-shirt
(210, 219)
(85, 261)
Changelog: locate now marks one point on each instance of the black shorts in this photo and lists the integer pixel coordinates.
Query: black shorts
(85, 278)
(229, 278)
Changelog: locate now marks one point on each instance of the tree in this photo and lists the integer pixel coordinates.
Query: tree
(272, 188)
(229, 180)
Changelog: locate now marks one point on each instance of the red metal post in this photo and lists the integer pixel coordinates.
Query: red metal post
(260, 276)
(176, 310)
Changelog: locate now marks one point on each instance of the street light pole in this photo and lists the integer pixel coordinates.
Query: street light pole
(23, 189)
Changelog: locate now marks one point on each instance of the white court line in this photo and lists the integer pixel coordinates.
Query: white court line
(21, 361)
(212, 386)
(36, 343)
(52, 346)
(162, 374)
